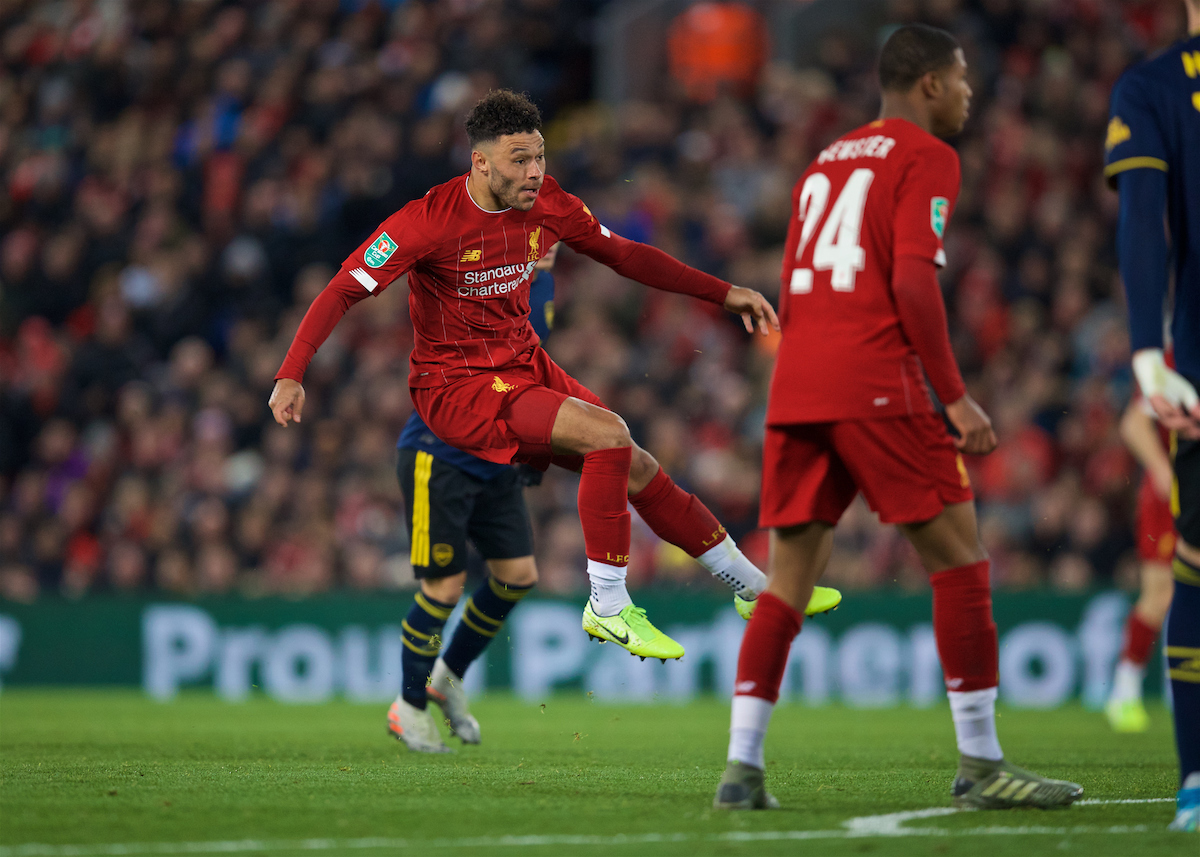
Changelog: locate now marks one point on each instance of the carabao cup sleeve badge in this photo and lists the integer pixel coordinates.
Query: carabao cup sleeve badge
(939, 207)
(380, 251)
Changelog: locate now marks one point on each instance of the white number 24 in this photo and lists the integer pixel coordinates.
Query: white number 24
(837, 249)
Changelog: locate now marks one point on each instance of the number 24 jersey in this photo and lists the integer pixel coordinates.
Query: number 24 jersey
(882, 191)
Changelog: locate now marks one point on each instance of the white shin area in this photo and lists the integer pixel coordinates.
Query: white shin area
(974, 713)
(726, 562)
(749, 718)
(609, 595)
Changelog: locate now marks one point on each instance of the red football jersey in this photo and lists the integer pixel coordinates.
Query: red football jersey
(882, 191)
(468, 273)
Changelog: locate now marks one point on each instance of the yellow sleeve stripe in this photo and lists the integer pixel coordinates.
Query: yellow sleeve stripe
(1182, 652)
(1134, 164)
(1181, 675)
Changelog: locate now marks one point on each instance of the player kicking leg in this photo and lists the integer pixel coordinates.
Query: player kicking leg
(447, 506)
(614, 471)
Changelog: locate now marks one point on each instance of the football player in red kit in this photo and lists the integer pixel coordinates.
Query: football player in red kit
(863, 322)
(481, 384)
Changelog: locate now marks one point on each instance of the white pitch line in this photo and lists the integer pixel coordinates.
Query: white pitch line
(879, 826)
(1095, 802)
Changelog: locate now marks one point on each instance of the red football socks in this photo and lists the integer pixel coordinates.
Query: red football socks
(603, 487)
(765, 646)
(1139, 640)
(963, 627)
(676, 517)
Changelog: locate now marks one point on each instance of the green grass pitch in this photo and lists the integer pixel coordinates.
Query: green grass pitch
(122, 775)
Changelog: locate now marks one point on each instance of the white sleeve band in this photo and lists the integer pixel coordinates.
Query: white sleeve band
(368, 282)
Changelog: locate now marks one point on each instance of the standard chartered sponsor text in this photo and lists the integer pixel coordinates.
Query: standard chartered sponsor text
(494, 289)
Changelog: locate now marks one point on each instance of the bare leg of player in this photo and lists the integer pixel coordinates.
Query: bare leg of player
(797, 561)
(967, 645)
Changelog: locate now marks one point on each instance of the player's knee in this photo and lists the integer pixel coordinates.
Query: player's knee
(446, 590)
(608, 431)
(519, 572)
(642, 469)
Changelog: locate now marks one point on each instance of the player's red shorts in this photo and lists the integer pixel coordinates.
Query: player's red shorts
(1155, 526)
(907, 467)
(505, 416)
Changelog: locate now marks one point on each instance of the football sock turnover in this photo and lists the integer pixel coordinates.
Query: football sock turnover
(681, 519)
(482, 617)
(421, 633)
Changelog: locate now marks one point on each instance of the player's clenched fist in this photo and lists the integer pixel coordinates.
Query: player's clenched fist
(753, 308)
(287, 401)
(975, 435)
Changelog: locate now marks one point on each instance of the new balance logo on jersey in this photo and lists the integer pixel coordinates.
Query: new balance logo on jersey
(745, 686)
(472, 256)
(500, 386)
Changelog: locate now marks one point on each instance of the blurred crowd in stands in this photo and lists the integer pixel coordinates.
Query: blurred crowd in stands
(181, 178)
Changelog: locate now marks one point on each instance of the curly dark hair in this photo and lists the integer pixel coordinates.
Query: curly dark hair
(501, 112)
(912, 51)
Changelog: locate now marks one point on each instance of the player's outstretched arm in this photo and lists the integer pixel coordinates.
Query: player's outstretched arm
(287, 399)
(754, 309)
(975, 434)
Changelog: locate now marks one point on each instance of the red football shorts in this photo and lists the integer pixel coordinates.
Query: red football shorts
(907, 467)
(1155, 526)
(505, 416)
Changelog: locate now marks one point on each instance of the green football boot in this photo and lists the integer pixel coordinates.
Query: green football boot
(1127, 715)
(823, 600)
(631, 630)
(742, 788)
(984, 784)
